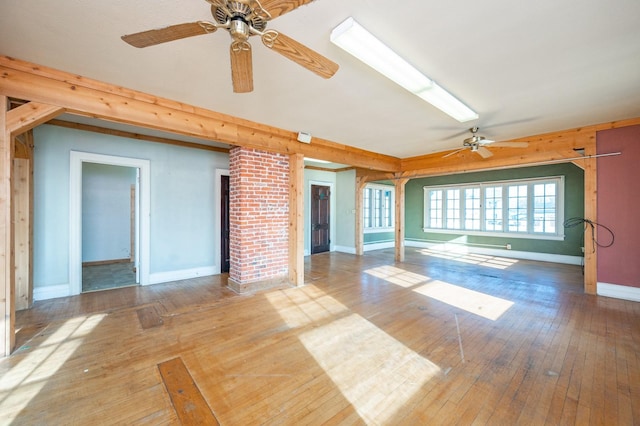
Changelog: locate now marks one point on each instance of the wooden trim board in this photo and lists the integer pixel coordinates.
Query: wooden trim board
(190, 405)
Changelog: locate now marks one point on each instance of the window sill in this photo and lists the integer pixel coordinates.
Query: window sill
(378, 230)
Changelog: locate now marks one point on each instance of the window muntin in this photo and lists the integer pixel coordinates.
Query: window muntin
(517, 208)
(472, 208)
(531, 208)
(544, 208)
(493, 208)
(435, 220)
(453, 212)
(378, 207)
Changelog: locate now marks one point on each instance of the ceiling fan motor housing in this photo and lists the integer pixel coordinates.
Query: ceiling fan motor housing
(473, 141)
(239, 29)
(241, 18)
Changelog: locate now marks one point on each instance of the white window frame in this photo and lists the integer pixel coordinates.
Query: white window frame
(529, 234)
(376, 229)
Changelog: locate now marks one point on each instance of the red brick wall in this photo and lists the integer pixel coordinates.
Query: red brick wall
(259, 215)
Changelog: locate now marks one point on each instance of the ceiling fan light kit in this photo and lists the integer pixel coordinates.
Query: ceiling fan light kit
(357, 41)
(243, 19)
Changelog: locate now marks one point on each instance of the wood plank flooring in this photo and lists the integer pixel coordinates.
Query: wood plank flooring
(366, 341)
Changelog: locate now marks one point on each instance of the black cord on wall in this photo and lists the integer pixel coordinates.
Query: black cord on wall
(577, 221)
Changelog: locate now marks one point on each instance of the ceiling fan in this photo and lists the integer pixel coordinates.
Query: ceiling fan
(243, 19)
(478, 144)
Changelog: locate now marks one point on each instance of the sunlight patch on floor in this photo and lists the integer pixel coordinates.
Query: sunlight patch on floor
(397, 276)
(299, 307)
(459, 253)
(32, 373)
(475, 302)
(376, 373)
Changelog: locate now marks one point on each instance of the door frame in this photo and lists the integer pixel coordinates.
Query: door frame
(75, 213)
(332, 214)
(217, 241)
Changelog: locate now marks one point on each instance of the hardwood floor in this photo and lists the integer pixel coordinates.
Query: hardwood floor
(438, 339)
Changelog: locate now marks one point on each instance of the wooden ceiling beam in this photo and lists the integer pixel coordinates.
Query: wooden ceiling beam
(132, 135)
(547, 147)
(29, 115)
(84, 96)
(542, 148)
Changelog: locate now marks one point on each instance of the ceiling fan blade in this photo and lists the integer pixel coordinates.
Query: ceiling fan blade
(454, 152)
(485, 141)
(511, 144)
(484, 152)
(170, 33)
(241, 67)
(299, 53)
(280, 7)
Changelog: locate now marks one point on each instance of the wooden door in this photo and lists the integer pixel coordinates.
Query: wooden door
(320, 226)
(224, 225)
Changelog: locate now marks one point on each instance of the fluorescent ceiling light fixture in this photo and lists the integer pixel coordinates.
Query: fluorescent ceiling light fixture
(315, 160)
(359, 42)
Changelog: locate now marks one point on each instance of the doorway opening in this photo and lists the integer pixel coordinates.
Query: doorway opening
(320, 218)
(109, 226)
(225, 253)
(108, 221)
(221, 213)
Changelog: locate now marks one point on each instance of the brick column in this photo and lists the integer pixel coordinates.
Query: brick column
(259, 219)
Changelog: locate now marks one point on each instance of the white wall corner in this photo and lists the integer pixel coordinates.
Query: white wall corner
(345, 249)
(183, 274)
(51, 291)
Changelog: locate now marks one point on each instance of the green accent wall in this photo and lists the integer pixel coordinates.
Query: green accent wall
(573, 198)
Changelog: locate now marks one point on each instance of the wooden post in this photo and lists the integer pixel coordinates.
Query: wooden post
(296, 219)
(7, 263)
(399, 222)
(23, 226)
(591, 213)
(15, 122)
(360, 184)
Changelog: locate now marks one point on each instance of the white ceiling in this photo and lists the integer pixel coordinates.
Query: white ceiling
(526, 67)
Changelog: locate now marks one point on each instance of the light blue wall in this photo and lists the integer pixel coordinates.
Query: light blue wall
(106, 211)
(183, 222)
(345, 210)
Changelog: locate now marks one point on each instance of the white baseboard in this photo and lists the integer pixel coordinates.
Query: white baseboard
(62, 290)
(51, 292)
(618, 291)
(458, 248)
(345, 249)
(183, 274)
(378, 246)
(513, 254)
